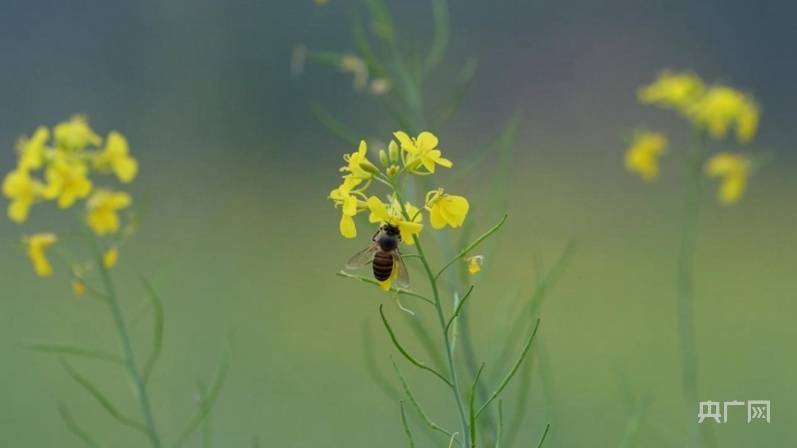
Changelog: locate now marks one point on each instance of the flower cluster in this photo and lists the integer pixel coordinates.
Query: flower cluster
(712, 109)
(405, 155)
(59, 166)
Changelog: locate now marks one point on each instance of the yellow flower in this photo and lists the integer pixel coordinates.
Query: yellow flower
(103, 207)
(673, 90)
(67, 180)
(23, 191)
(37, 246)
(445, 209)
(349, 205)
(422, 150)
(78, 288)
(733, 171)
(355, 162)
(392, 214)
(475, 264)
(31, 150)
(116, 157)
(110, 257)
(350, 63)
(722, 107)
(642, 157)
(75, 134)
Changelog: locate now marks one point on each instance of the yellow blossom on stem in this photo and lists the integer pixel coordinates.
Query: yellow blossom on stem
(723, 107)
(422, 150)
(110, 257)
(673, 90)
(642, 157)
(355, 162)
(445, 209)
(733, 171)
(78, 288)
(37, 246)
(75, 134)
(116, 157)
(343, 197)
(475, 264)
(32, 150)
(392, 214)
(103, 207)
(67, 180)
(23, 191)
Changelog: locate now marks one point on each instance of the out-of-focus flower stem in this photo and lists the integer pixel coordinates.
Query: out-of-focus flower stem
(698, 435)
(127, 350)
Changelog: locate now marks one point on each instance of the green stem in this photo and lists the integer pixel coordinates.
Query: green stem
(129, 354)
(685, 282)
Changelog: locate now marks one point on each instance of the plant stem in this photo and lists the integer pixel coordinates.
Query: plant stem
(449, 352)
(686, 319)
(128, 353)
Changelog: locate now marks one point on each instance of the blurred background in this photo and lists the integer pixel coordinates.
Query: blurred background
(240, 236)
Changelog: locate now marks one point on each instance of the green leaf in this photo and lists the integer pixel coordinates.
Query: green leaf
(471, 406)
(104, 402)
(472, 246)
(441, 34)
(458, 309)
(392, 289)
(334, 126)
(417, 405)
(405, 353)
(157, 339)
(500, 429)
(512, 372)
(72, 350)
(406, 426)
(75, 429)
(544, 435)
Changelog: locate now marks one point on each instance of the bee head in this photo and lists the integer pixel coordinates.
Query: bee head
(391, 229)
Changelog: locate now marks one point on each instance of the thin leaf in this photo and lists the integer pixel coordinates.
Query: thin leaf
(544, 435)
(334, 126)
(374, 282)
(406, 426)
(471, 407)
(366, 51)
(472, 246)
(417, 405)
(441, 33)
(382, 22)
(371, 366)
(460, 89)
(157, 338)
(458, 308)
(405, 353)
(206, 405)
(500, 430)
(72, 350)
(102, 399)
(512, 371)
(75, 429)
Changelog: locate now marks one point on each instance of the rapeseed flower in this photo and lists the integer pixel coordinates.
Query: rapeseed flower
(345, 197)
(115, 157)
(23, 191)
(356, 161)
(32, 150)
(75, 134)
(37, 246)
(445, 209)
(392, 213)
(723, 107)
(642, 157)
(475, 264)
(673, 90)
(103, 210)
(733, 170)
(421, 150)
(67, 180)
(110, 257)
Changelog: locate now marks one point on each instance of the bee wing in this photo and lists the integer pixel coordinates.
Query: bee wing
(403, 277)
(362, 257)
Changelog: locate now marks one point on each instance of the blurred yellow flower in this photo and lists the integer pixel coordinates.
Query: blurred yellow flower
(445, 209)
(422, 151)
(32, 150)
(733, 171)
(78, 288)
(355, 162)
(67, 180)
(673, 90)
(475, 264)
(342, 197)
(722, 107)
(116, 157)
(23, 191)
(103, 207)
(642, 157)
(350, 63)
(392, 214)
(110, 257)
(37, 246)
(75, 134)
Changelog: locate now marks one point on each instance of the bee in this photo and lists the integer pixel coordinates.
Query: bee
(384, 256)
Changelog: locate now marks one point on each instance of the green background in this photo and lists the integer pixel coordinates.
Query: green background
(239, 235)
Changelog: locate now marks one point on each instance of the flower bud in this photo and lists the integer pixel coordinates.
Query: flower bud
(393, 150)
(369, 167)
(393, 170)
(383, 157)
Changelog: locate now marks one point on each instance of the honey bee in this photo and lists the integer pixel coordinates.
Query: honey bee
(384, 256)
